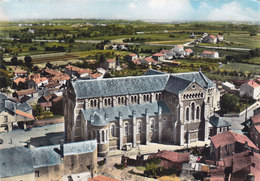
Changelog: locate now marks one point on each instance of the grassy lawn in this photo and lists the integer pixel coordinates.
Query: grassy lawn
(255, 60)
(222, 53)
(242, 67)
(243, 40)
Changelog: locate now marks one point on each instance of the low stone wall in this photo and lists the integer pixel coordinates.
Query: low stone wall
(44, 122)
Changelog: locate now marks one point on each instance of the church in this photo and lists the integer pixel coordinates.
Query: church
(155, 107)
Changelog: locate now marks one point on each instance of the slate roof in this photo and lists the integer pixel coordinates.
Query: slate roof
(119, 86)
(24, 106)
(153, 72)
(218, 122)
(199, 77)
(126, 112)
(46, 156)
(15, 161)
(152, 81)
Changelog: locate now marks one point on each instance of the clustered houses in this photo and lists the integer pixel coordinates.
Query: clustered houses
(212, 39)
(235, 156)
(254, 131)
(13, 114)
(54, 162)
(178, 51)
(155, 107)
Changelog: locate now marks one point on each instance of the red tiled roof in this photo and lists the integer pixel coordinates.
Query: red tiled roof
(189, 50)
(20, 72)
(180, 46)
(136, 61)
(165, 51)
(256, 119)
(51, 71)
(150, 60)
(24, 114)
(37, 78)
(257, 127)
(252, 83)
(228, 137)
(110, 61)
(46, 104)
(96, 75)
(78, 70)
(212, 36)
(20, 79)
(157, 55)
(51, 85)
(60, 77)
(25, 92)
(132, 54)
(102, 178)
(208, 52)
(171, 156)
(57, 99)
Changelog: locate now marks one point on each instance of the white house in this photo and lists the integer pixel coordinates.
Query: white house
(228, 86)
(210, 54)
(210, 39)
(158, 56)
(250, 89)
(178, 48)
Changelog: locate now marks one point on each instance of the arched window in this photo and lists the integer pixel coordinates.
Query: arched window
(132, 99)
(152, 125)
(208, 99)
(118, 100)
(193, 111)
(135, 99)
(95, 103)
(113, 130)
(139, 127)
(91, 103)
(144, 98)
(105, 102)
(103, 136)
(198, 113)
(126, 129)
(109, 102)
(122, 100)
(187, 114)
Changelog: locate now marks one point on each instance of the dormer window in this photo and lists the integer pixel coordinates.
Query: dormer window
(193, 86)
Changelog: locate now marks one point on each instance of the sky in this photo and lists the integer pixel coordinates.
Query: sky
(151, 10)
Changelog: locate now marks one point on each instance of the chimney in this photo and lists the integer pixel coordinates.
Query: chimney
(62, 148)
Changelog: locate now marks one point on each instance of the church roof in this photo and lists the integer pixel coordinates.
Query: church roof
(119, 86)
(126, 112)
(152, 81)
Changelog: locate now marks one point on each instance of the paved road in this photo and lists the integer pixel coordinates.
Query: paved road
(39, 136)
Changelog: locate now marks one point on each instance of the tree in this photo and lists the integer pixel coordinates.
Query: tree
(14, 61)
(229, 103)
(28, 61)
(48, 65)
(4, 81)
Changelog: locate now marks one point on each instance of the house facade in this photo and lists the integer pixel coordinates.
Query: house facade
(48, 162)
(209, 54)
(250, 89)
(14, 114)
(254, 130)
(227, 143)
(156, 107)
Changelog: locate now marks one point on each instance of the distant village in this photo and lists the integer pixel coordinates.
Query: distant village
(143, 127)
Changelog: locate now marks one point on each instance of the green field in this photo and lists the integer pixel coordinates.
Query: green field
(243, 40)
(242, 67)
